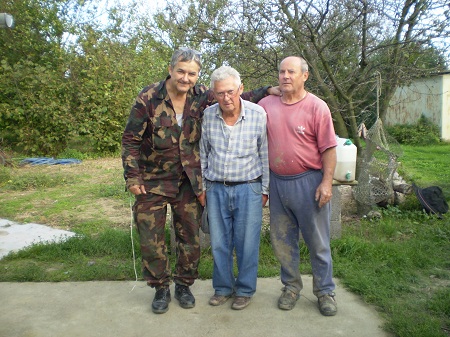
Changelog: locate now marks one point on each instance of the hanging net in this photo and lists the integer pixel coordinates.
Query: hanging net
(378, 163)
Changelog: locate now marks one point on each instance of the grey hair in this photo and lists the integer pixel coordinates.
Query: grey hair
(224, 72)
(185, 54)
(303, 63)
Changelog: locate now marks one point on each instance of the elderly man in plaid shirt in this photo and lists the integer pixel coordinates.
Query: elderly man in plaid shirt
(235, 170)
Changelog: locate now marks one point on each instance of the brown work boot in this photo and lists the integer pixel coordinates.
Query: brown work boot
(287, 299)
(327, 305)
(240, 302)
(216, 300)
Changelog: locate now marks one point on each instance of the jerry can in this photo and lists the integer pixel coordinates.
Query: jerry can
(346, 153)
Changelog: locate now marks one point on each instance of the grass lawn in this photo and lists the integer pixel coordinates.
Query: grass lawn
(399, 262)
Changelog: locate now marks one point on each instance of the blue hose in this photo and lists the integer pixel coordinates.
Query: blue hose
(49, 161)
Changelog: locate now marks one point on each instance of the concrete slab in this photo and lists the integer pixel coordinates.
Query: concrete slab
(123, 309)
(15, 236)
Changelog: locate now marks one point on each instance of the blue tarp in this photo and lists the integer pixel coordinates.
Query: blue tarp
(49, 161)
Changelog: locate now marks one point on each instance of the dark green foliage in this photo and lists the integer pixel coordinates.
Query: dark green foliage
(424, 132)
(55, 88)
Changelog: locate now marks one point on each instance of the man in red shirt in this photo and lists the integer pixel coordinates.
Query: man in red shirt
(302, 159)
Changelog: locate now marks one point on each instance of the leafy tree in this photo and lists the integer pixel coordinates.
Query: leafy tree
(68, 70)
(33, 91)
(110, 66)
(348, 44)
(67, 73)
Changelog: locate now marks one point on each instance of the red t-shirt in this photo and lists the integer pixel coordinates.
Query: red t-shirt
(297, 133)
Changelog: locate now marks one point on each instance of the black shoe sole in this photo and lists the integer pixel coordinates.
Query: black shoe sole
(160, 311)
(185, 305)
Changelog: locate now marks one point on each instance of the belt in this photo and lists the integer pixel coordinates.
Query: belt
(234, 183)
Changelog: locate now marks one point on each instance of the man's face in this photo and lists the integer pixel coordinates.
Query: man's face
(184, 75)
(227, 93)
(290, 76)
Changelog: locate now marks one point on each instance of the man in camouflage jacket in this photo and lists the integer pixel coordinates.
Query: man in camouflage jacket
(161, 160)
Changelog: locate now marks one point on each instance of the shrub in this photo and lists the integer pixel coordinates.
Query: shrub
(424, 132)
(5, 175)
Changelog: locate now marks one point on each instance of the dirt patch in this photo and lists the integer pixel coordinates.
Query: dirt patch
(64, 206)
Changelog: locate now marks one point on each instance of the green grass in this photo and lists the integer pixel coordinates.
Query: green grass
(399, 263)
(427, 165)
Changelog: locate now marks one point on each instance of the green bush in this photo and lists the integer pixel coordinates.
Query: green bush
(424, 132)
(5, 175)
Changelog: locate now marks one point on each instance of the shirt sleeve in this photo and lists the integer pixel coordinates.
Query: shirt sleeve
(256, 95)
(264, 155)
(204, 150)
(131, 142)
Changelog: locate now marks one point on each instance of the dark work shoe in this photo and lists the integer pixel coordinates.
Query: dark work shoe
(241, 302)
(160, 303)
(184, 296)
(287, 299)
(328, 305)
(216, 300)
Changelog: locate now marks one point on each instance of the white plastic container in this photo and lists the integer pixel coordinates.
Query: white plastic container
(346, 153)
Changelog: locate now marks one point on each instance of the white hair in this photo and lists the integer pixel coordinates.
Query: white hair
(223, 73)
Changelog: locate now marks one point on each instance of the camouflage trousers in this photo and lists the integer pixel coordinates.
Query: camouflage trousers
(149, 213)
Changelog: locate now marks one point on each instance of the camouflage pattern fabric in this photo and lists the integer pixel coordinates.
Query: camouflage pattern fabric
(150, 217)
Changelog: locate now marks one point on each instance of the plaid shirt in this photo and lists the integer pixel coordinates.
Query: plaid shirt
(239, 153)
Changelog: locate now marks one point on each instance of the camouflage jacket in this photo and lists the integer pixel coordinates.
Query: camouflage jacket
(156, 151)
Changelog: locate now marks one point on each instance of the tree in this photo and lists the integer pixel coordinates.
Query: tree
(109, 66)
(66, 73)
(347, 44)
(33, 91)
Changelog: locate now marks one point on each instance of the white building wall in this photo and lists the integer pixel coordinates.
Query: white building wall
(445, 126)
(429, 97)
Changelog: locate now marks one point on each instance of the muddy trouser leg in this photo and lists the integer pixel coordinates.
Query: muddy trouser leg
(284, 235)
(186, 211)
(314, 224)
(150, 217)
(294, 211)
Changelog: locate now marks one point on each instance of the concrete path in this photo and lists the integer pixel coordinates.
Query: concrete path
(123, 309)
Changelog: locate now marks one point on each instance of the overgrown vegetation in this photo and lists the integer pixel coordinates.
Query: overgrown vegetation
(424, 132)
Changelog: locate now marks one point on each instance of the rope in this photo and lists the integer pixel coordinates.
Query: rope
(132, 246)
(378, 74)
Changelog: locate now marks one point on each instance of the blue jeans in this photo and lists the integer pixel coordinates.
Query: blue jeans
(293, 211)
(235, 218)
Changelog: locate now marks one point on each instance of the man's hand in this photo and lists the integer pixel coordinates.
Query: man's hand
(265, 197)
(137, 189)
(274, 91)
(202, 199)
(323, 194)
